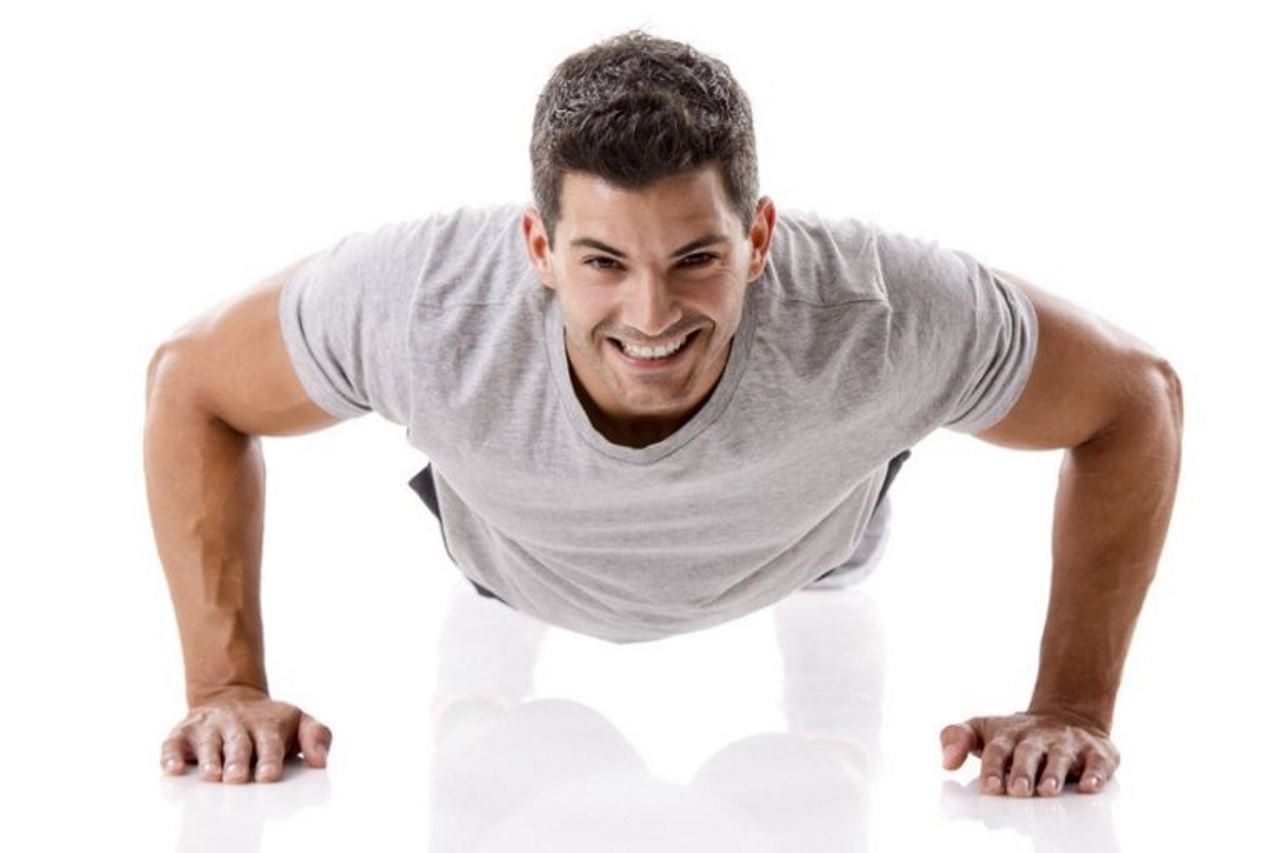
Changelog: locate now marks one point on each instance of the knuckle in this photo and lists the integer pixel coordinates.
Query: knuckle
(271, 744)
(269, 729)
(206, 738)
(237, 743)
(1028, 747)
(268, 736)
(1059, 757)
(236, 735)
(1000, 744)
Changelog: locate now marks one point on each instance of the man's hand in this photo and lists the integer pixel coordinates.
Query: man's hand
(226, 732)
(1075, 749)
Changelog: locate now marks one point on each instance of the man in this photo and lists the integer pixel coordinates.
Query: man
(654, 403)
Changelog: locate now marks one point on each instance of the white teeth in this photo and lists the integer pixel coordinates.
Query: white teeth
(651, 352)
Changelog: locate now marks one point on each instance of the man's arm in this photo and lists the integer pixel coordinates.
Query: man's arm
(1116, 406)
(219, 383)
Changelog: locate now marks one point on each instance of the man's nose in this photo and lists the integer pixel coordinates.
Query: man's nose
(651, 309)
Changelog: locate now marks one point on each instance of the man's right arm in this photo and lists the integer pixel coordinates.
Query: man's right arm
(213, 388)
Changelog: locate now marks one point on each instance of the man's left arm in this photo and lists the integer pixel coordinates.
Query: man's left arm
(1116, 406)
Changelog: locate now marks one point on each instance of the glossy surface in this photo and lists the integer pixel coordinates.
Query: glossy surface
(164, 158)
(812, 725)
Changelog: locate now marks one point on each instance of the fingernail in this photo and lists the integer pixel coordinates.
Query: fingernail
(1021, 786)
(993, 783)
(231, 769)
(1051, 784)
(1093, 781)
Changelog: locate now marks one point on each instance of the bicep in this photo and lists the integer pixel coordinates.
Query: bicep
(233, 362)
(1087, 372)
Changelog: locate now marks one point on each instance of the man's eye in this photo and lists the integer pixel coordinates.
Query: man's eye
(699, 258)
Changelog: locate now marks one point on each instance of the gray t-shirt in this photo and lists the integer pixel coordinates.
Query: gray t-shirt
(854, 344)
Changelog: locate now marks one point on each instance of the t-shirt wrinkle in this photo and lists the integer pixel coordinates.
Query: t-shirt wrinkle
(854, 343)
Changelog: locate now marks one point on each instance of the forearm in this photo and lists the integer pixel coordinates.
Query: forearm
(205, 488)
(1114, 500)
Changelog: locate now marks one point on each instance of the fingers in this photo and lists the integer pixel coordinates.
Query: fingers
(1039, 751)
(1097, 770)
(957, 741)
(994, 759)
(1056, 768)
(237, 750)
(314, 737)
(209, 753)
(244, 741)
(174, 754)
(270, 745)
(1025, 767)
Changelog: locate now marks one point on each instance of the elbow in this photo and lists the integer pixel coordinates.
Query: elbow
(153, 367)
(1170, 389)
(169, 372)
(1148, 396)
(159, 366)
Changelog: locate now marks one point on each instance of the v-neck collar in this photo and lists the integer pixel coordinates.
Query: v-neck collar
(553, 331)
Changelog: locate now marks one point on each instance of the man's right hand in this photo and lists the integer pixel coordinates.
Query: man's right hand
(235, 729)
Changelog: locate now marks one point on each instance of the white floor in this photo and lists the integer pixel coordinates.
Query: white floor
(461, 725)
(159, 159)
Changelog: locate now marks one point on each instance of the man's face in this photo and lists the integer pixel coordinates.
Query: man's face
(626, 269)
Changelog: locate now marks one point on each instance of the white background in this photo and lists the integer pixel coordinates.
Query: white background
(159, 158)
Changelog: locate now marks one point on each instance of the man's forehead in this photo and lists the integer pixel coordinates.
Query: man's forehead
(617, 225)
(709, 238)
(692, 200)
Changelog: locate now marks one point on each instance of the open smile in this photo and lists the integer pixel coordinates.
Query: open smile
(647, 364)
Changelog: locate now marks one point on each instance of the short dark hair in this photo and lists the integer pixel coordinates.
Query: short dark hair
(636, 108)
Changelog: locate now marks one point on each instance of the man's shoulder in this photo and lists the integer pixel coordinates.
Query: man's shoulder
(473, 255)
(823, 259)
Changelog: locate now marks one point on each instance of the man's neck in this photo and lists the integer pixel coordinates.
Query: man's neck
(641, 432)
(630, 432)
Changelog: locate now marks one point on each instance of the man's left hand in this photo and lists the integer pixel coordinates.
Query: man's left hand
(1017, 744)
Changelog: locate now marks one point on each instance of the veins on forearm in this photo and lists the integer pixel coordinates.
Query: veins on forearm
(1114, 501)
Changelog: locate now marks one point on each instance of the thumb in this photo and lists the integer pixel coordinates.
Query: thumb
(958, 740)
(314, 737)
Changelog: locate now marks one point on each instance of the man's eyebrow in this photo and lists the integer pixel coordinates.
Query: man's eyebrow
(704, 240)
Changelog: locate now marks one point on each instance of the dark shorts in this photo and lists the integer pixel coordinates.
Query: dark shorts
(894, 464)
(424, 484)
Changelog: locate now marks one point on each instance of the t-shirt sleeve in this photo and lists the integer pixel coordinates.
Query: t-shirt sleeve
(344, 316)
(963, 340)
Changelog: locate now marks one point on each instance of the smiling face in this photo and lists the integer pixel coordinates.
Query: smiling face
(651, 268)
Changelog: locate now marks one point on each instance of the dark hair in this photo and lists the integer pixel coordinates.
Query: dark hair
(636, 108)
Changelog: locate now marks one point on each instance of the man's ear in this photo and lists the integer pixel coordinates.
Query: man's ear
(535, 243)
(761, 236)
